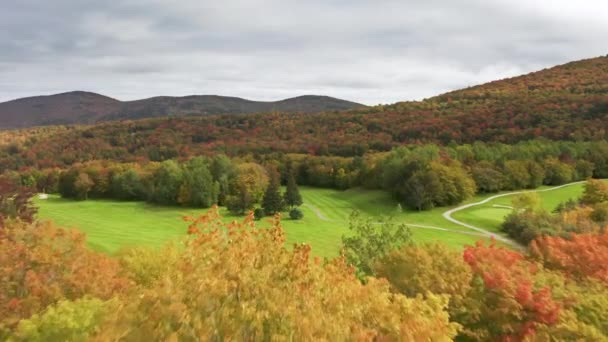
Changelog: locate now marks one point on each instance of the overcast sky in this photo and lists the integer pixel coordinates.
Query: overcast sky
(370, 51)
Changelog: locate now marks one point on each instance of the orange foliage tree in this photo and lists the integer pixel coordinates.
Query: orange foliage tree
(41, 265)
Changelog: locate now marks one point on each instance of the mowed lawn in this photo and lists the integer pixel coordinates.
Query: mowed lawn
(112, 225)
(490, 215)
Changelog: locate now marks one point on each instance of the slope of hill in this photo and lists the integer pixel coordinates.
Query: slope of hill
(568, 102)
(86, 108)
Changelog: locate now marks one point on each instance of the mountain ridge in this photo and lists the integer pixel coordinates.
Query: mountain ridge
(83, 107)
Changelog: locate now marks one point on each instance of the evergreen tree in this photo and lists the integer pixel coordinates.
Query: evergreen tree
(292, 194)
(273, 202)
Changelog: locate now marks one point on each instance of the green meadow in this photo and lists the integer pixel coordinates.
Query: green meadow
(112, 225)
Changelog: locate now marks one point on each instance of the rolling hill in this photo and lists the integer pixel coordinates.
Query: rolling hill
(80, 107)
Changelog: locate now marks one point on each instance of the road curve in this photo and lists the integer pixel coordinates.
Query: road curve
(322, 217)
(448, 214)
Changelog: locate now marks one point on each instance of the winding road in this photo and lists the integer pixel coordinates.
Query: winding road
(448, 214)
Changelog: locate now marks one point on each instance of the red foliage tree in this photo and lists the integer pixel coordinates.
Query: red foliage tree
(582, 255)
(505, 303)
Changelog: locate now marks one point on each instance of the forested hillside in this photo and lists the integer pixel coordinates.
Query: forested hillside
(568, 102)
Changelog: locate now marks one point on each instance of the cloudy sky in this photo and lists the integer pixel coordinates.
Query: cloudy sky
(370, 51)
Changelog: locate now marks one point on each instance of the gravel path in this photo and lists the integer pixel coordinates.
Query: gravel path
(448, 214)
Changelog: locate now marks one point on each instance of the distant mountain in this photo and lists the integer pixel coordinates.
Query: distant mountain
(66, 108)
(80, 107)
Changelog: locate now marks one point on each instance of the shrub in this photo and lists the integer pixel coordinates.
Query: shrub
(525, 226)
(258, 213)
(296, 214)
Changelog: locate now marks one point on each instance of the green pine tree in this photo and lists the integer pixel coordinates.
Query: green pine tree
(273, 202)
(292, 194)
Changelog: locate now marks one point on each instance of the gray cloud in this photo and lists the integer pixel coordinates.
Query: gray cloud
(369, 51)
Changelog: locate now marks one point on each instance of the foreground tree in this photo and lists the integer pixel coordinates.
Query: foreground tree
(557, 172)
(42, 264)
(238, 282)
(371, 240)
(431, 268)
(505, 303)
(296, 214)
(456, 184)
(65, 321)
(66, 183)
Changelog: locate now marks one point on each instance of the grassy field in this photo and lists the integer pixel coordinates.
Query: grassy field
(111, 225)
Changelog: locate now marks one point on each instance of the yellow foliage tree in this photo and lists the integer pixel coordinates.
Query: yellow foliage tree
(435, 268)
(238, 282)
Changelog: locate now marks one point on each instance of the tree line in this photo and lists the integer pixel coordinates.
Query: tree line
(419, 176)
(199, 182)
